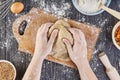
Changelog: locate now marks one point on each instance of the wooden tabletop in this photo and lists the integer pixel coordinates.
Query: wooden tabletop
(53, 71)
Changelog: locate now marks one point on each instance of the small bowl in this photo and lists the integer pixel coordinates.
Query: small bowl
(113, 35)
(5, 61)
(75, 3)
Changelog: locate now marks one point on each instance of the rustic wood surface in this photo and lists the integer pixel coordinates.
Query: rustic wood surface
(53, 71)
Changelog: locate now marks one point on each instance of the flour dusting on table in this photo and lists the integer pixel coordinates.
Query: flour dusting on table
(60, 9)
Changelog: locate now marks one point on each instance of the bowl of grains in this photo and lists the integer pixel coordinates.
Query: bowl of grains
(7, 70)
(116, 35)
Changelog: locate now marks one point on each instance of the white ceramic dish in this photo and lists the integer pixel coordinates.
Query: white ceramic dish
(113, 35)
(75, 3)
(11, 65)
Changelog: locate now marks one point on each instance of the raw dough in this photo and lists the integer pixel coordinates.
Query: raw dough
(59, 49)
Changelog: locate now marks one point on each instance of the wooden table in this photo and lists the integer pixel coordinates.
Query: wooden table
(53, 71)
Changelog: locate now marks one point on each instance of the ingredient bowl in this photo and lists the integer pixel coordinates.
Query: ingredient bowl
(7, 70)
(116, 35)
(77, 6)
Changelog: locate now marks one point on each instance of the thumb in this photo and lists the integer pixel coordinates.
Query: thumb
(52, 38)
(69, 47)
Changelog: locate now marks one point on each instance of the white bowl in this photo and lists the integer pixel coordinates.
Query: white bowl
(113, 35)
(5, 61)
(75, 3)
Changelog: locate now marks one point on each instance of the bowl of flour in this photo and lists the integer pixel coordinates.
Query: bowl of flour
(90, 7)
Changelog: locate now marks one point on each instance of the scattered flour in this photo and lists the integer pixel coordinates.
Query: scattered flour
(102, 22)
(53, 7)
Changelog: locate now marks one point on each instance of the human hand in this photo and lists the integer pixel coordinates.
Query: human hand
(44, 45)
(77, 52)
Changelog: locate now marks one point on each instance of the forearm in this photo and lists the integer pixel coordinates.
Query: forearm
(33, 71)
(85, 71)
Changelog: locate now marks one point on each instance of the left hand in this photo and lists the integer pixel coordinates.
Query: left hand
(44, 46)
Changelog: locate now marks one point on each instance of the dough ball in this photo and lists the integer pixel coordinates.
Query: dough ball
(59, 49)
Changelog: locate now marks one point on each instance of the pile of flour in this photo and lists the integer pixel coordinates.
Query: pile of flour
(90, 6)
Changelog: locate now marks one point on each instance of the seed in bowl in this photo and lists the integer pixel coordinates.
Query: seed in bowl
(117, 35)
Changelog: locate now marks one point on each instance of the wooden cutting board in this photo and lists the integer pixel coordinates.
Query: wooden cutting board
(35, 18)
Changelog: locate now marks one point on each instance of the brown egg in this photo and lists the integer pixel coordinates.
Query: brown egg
(17, 7)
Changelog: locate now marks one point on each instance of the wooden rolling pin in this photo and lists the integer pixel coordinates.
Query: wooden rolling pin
(110, 70)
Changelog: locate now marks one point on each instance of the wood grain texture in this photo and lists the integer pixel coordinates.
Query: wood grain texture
(54, 71)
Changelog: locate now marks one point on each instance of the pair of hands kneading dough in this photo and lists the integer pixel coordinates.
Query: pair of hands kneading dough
(63, 42)
(44, 46)
(59, 50)
(77, 49)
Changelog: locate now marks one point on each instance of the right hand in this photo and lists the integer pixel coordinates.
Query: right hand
(77, 52)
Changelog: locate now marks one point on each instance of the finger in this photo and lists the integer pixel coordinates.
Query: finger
(41, 33)
(81, 33)
(52, 38)
(46, 27)
(75, 33)
(82, 37)
(69, 47)
(41, 27)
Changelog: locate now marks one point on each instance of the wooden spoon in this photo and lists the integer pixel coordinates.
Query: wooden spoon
(111, 11)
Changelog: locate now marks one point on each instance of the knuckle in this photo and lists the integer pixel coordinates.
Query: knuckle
(75, 29)
(49, 23)
(54, 35)
(76, 32)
